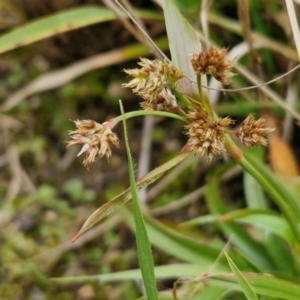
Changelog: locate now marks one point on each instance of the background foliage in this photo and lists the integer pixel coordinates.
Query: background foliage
(197, 212)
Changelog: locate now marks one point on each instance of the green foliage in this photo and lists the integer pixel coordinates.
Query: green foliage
(242, 242)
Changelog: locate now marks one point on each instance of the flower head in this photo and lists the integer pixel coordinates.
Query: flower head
(163, 101)
(96, 140)
(206, 136)
(152, 77)
(213, 62)
(251, 133)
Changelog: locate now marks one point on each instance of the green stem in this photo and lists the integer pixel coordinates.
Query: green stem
(199, 83)
(139, 113)
(282, 196)
(204, 98)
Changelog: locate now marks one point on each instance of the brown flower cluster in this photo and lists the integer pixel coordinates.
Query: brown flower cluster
(163, 101)
(153, 76)
(206, 136)
(213, 62)
(96, 140)
(251, 132)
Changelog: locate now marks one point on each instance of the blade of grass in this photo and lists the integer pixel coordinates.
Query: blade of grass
(262, 284)
(61, 22)
(261, 218)
(253, 192)
(285, 197)
(210, 293)
(173, 271)
(183, 42)
(249, 293)
(178, 245)
(254, 251)
(142, 240)
(282, 256)
(125, 196)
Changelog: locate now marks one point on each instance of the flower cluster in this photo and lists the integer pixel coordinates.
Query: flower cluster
(163, 101)
(251, 132)
(213, 62)
(151, 79)
(206, 135)
(96, 140)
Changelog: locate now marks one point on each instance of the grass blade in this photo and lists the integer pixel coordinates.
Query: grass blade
(286, 198)
(183, 42)
(253, 192)
(143, 244)
(253, 250)
(249, 293)
(60, 22)
(125, 196)
(262, 284)
(178, 245)
(173, 271)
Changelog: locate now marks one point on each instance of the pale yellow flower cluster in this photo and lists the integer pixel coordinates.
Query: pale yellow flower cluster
(206, 136)
(96, 140)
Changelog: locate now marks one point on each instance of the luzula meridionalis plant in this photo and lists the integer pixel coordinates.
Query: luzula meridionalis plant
(159, 84)
(154, 83)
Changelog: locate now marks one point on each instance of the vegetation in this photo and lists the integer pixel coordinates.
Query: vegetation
(198, 197)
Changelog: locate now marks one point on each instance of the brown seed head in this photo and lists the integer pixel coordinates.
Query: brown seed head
(96, 140)
(163, 101)
(206, 136)
(213, 62)
(152, 77)
(251, 133)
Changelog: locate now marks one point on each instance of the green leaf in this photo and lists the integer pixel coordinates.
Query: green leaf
(249, 293)
(262, 284)
(125, 196)
(252, 250)
(183, 42)
(267, 220)
(210, 293)
(60, 22)
(286, 198)
(173, 271)
(282, 255)
(253, 192)
(143, 244)
(178, 245)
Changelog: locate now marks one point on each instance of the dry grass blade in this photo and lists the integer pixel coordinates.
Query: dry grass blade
(294, 23)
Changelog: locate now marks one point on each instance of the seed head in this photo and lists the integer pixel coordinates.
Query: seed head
(96, 140)
(213, 62)
(251, 133)
(152, 77)
(206, 136)
(163, 101)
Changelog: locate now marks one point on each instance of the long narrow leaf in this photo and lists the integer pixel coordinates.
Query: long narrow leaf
(173, 271)
(286, 199)
(249, 293)
(179, 245)
(263, 284)
(253, 192)
(125, 196)
(260, 218)
(247, 245)
(183, 42)
(60, 22)
(142, 240)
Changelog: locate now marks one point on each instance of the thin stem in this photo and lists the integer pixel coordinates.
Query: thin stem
(139, 113)
(203, 97)
(199, 83)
